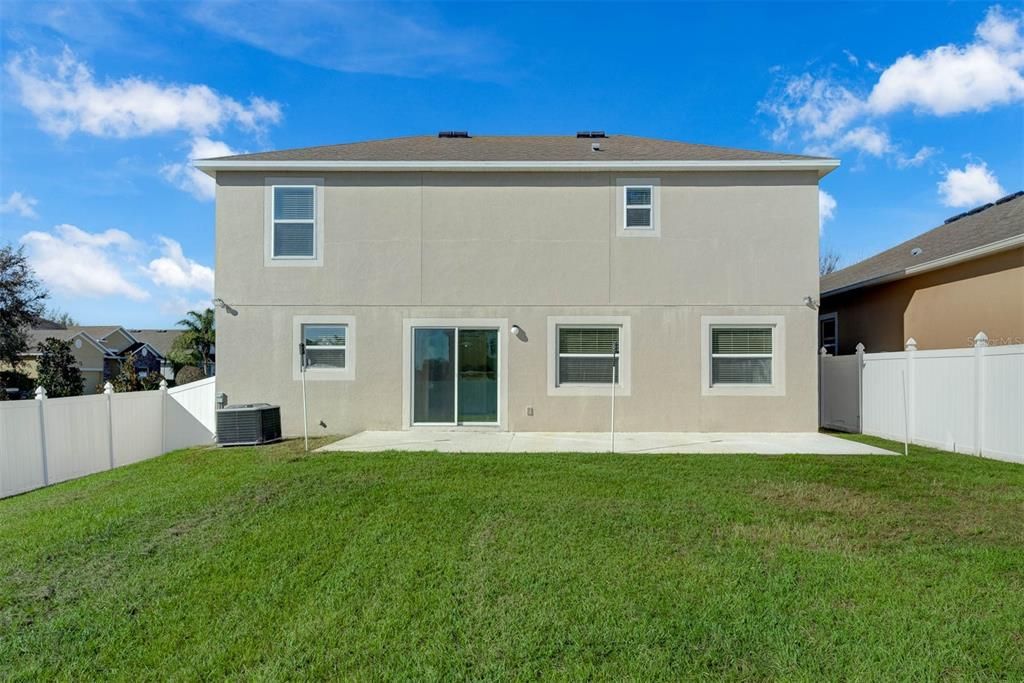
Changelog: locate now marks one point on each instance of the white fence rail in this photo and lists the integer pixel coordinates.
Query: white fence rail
(50, 440)
(967, 400)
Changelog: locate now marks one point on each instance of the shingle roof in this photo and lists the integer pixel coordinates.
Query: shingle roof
(427, 148)
(977, 228)
(161, 340)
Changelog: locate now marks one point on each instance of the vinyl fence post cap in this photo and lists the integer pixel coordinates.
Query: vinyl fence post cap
(40, 393)
(981, 339)
(911, 344)
(108, 388)
(163, 385)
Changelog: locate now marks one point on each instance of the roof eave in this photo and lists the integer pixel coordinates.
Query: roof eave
(934, 264)
(822, 166)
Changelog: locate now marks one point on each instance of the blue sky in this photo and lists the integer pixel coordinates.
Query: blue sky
(103, 105)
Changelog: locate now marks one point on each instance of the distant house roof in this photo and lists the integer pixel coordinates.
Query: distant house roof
(160, 340)
(968, 235)
(475, 152)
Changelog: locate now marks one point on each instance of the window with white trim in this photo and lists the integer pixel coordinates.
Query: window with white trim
(638, 205)
(294, 222)
(326, 346)
(741, 355)
(588, 355)
(828, 333)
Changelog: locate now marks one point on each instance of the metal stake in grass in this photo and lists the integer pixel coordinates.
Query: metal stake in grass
(615, 376)
(302, 371)
(906, 415)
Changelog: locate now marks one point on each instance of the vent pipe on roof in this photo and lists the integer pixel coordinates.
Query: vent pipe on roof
(453, 134)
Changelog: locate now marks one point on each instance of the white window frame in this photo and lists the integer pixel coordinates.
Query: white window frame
(777, 323)
(346, 373)
(626, 206)
(835, 318)
(317, 259)
(624, 184)
(624, 376)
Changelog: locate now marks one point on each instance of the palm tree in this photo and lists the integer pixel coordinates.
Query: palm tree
(199, 336)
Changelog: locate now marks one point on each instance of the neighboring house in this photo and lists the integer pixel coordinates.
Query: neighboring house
(941, 287)
(503, 282)
(99, 349)
(163, 342)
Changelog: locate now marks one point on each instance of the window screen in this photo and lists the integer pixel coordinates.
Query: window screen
(741, 355)
(639, 207)
(294, 221)
(588, 355)
(325, 346)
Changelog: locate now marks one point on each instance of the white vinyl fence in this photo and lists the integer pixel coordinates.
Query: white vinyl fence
(50, 440)
(968, 400)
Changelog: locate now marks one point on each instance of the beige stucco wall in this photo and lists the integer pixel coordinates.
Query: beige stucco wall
(523, 247)
(940, 309)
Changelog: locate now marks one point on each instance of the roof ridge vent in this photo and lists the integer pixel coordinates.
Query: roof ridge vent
(590, 134)
(453, 134)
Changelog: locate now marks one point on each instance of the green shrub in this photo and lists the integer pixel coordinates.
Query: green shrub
(189, 373)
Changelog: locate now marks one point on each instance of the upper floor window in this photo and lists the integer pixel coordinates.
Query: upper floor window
(294, 221)
(293, 232)
(639, 207)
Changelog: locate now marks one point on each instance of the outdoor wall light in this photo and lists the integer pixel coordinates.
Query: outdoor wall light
(219, 303)
(515, 330)
(810, 302)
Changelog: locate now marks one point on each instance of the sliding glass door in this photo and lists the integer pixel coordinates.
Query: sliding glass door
(455, 375)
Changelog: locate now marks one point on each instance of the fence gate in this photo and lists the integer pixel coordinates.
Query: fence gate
(839, 392)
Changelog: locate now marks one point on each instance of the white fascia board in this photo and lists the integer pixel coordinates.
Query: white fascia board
(822, 166)
(967, 255)
(935, 264)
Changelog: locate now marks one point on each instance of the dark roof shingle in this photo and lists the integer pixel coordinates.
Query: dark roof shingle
(1000, 221)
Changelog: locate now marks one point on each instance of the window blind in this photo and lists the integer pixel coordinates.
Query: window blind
(294, 239)
(587, 355)
(294, 221)
(325, 346)
(293, 203)
(741, 355)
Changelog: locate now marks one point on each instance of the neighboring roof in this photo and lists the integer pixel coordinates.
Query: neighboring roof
(36, 335)
(514, 151)
(99, 332)
(981, 231)
(160, 340)
(137, 346)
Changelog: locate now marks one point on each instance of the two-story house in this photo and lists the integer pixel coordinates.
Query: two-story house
(518, 282)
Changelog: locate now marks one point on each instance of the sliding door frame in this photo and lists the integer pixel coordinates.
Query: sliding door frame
(408, 349)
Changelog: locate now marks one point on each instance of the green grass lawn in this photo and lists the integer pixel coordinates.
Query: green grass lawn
(268, 563)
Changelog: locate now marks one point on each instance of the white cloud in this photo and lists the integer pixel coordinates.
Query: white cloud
(21, 204)
(826, 208)
(851, 58)
(953, 79)
(81, 263)
(922, 155)
(828, 116)
(176, 271)
(191, 179)
(816, 108)
(355, 37)
(969, 186)
(65, 97)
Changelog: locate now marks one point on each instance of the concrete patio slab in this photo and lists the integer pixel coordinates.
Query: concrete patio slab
(476, 441)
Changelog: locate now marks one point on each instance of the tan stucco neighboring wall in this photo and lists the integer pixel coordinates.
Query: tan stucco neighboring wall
(522, 247)
(940, 309)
